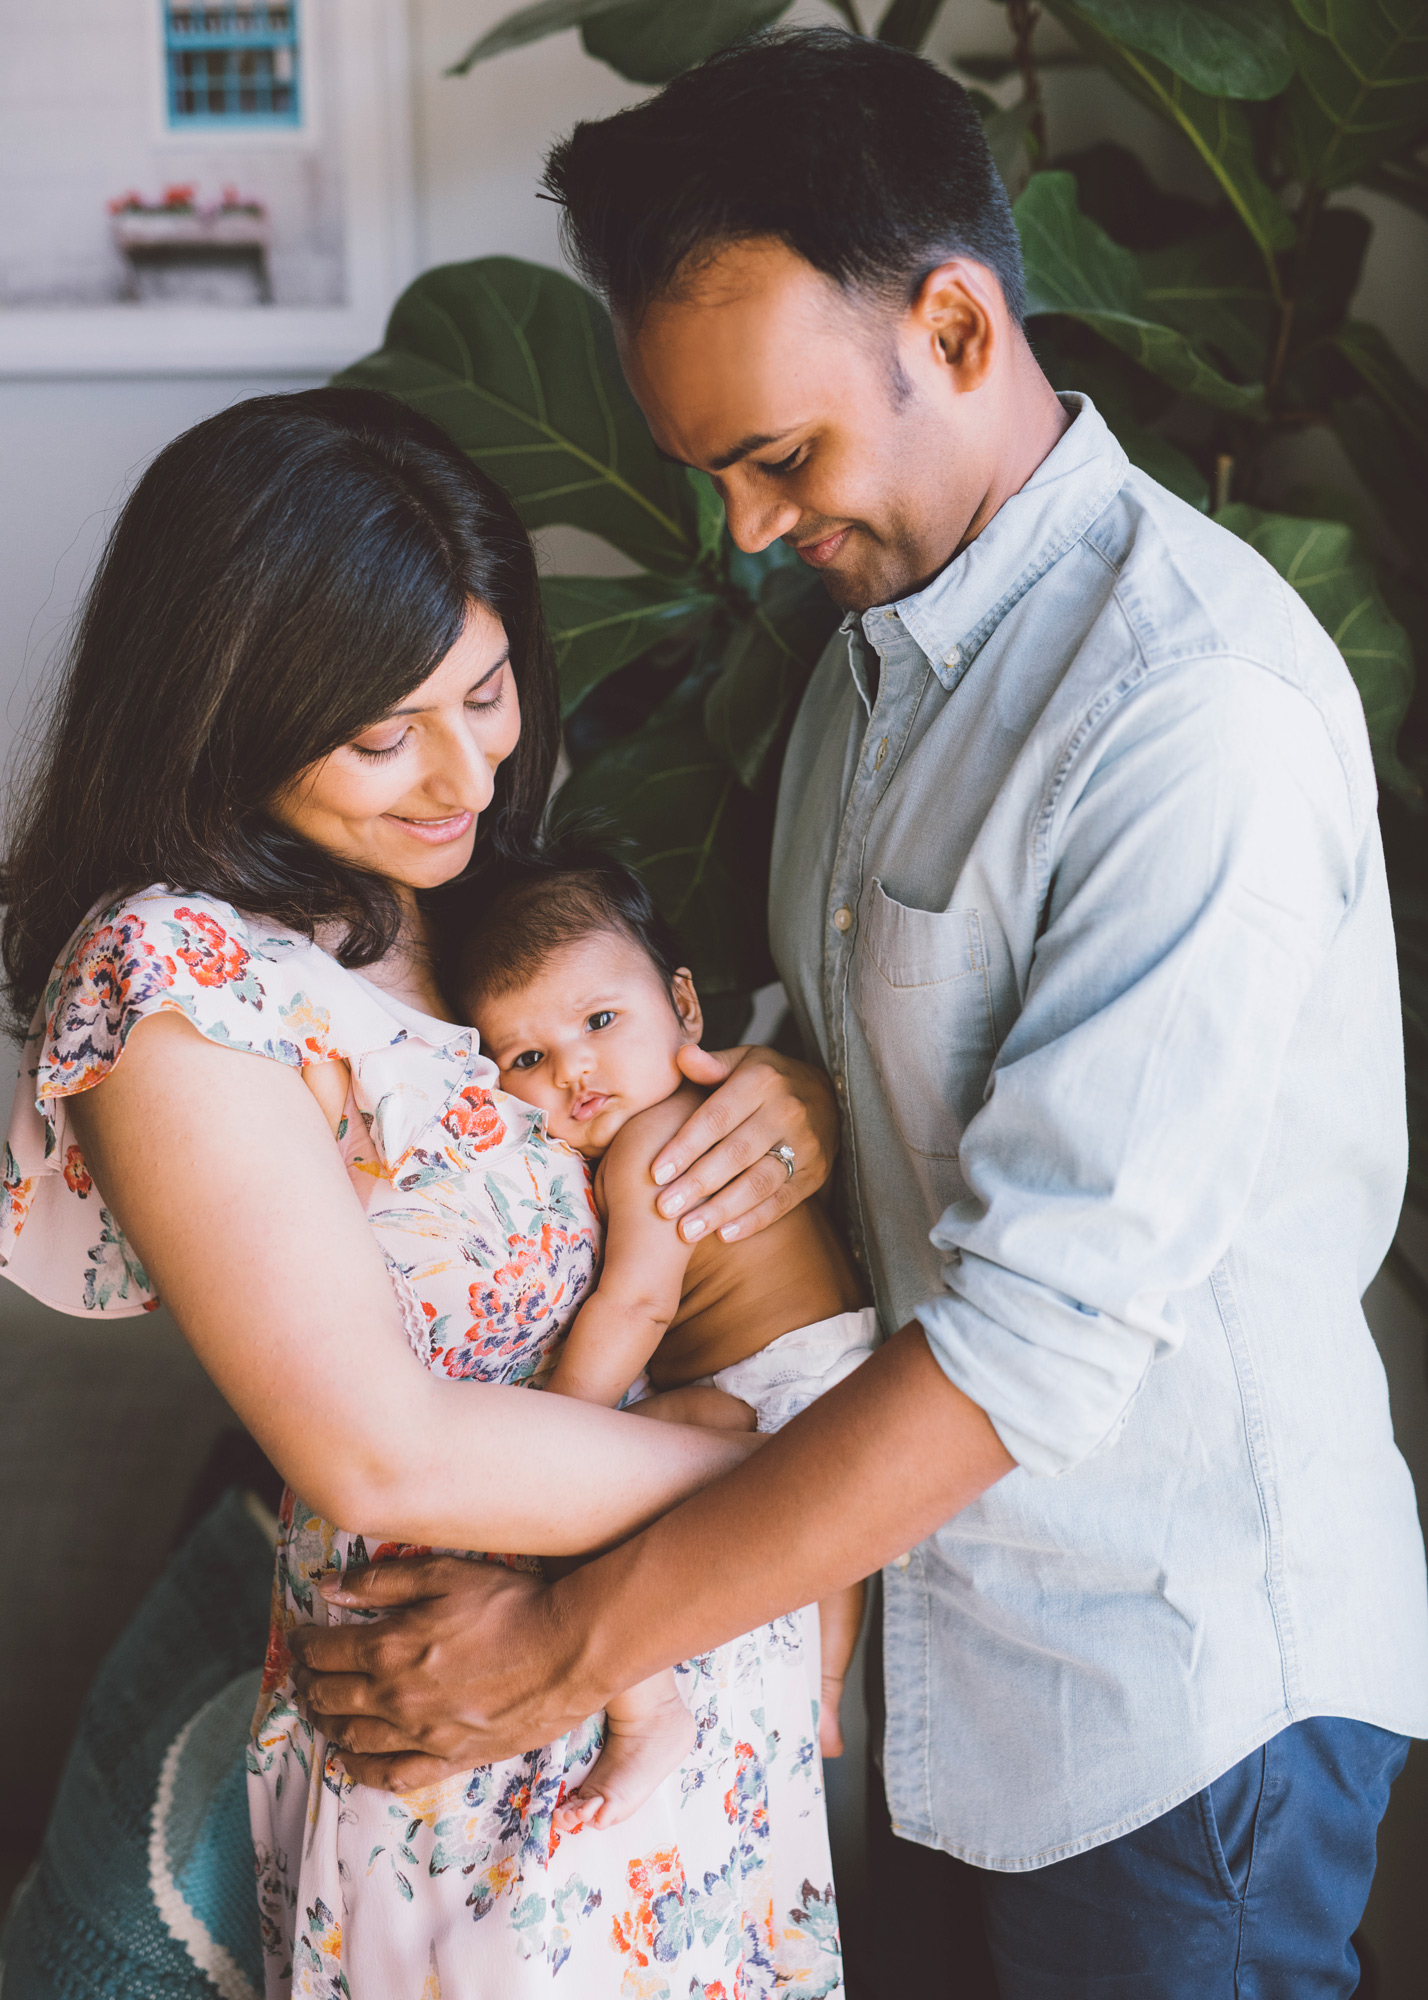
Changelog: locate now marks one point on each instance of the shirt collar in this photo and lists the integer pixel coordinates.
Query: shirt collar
(958, 611)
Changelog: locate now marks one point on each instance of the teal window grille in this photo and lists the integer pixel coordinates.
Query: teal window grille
(232, 65)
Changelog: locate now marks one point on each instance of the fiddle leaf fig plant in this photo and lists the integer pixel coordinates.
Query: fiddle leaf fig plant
(1213, 330)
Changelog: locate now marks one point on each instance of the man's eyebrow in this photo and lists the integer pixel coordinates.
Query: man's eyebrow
(756, 442)
(490, 673)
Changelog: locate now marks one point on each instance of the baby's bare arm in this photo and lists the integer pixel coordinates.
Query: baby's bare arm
(624, 1319)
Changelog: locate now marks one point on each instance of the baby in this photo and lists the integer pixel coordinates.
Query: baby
(570, 979)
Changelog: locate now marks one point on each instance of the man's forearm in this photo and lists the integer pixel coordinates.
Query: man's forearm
(868, 1471)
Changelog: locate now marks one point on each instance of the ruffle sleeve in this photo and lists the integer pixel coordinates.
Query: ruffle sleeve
(251, 987)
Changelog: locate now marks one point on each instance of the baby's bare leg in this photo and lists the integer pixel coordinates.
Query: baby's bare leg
(648, 1733)
(840, 1619)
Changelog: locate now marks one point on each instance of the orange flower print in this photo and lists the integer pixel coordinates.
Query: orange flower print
(214, 958)
(652, 1926)
(278, 1663)
(113, 972)
(473, 1121)
(76, 1174)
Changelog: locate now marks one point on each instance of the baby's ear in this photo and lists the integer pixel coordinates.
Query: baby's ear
(686, 1003)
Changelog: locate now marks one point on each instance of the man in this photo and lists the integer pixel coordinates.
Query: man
(1078, 896)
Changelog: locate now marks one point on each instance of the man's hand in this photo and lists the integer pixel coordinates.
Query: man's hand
(466, 1665)
(762, 1100)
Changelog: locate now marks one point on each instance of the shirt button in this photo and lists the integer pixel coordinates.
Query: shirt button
(890, 614)
(954, 657)
(882, 752)
(903, 1562)
(842, 918)
(838, 1083)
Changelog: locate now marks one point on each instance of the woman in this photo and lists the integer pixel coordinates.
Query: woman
(310, 684)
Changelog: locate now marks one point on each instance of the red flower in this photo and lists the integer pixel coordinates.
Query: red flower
(214, 958)
(474, 1120)
(399, 1551)
(278, 1661)
(76, 1174)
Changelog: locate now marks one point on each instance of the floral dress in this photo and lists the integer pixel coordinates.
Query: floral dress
(720, 1886)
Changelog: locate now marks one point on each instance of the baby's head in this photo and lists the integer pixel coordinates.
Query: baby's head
(570, 980)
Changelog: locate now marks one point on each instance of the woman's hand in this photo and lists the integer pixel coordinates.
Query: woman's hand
(717, 1172)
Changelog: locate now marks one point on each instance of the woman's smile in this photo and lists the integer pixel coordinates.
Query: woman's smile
(436, 832)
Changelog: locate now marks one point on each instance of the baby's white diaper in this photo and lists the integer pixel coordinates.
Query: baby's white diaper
(799, 1367)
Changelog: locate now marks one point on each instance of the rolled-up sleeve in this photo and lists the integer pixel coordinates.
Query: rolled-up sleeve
(1199, 849)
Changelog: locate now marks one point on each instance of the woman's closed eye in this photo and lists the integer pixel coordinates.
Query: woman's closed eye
(379, 754)
(602, 1019)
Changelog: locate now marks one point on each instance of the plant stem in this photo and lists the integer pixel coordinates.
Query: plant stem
(1224, 477)
(1304, 229)
(1023, 16)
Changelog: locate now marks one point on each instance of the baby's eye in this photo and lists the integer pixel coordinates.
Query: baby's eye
(602, 1019)
(528, 1058)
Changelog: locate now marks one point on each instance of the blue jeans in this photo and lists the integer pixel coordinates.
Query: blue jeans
(1251, 1890)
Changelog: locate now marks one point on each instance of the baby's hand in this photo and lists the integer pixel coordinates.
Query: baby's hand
(698, 1403)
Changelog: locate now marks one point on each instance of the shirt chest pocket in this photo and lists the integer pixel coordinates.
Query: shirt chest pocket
(923, 999)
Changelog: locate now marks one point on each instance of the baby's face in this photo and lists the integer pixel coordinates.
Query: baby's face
(592, 1038)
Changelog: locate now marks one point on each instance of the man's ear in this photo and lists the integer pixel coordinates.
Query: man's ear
(686, 1003)
(959, 310)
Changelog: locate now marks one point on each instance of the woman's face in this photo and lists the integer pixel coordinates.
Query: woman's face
(403, 798)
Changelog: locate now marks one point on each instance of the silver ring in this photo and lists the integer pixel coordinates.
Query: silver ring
(784, 1153)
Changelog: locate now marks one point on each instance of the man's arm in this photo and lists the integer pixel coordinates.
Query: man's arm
(500, 1663)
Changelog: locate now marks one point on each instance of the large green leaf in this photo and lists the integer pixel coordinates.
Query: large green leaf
(766, 670)
(1217, 128)
(649, 41)
(1361, 85)
(1213, 289)
(1402, 396)
(598, 624)
(532, 24)
(1323, 562)
(908, 23)
(1073, 267)
(518, 364)
(1115, 190)
(700, 840)
(1226, 48)
(1393, 472)
(1102, 375)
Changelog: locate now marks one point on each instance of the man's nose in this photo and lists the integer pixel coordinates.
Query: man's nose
(755, 518)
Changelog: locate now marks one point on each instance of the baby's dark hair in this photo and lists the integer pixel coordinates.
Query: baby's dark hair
(572, 889)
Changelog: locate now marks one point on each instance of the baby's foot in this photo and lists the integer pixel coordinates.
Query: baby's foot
(830, 1730)
(639, 1753)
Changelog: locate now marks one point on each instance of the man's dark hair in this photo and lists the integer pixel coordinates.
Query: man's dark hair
(571, 889)
(866, 161)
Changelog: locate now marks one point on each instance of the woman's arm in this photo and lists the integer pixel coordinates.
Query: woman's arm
(222, 1173)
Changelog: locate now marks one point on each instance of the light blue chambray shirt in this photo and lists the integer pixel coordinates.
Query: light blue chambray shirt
(1078, 894)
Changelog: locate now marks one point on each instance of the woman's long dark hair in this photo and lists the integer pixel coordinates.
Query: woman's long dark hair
(283, 574)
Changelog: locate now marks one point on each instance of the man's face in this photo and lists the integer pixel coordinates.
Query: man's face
(824, 419)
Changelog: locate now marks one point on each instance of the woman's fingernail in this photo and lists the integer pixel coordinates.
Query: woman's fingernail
(335, 1594)
(672, 1204)
(663, 1174)
(729, 1231)
(693, 1229)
